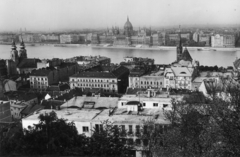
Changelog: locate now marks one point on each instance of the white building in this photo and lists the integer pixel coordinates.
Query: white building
(88, 113)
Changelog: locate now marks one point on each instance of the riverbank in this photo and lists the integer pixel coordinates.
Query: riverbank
(49, 44)
(153, 48)
(157, 48)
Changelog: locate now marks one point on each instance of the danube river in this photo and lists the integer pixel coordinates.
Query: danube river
(210, 58)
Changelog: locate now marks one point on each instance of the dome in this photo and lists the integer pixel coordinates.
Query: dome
(128, 25)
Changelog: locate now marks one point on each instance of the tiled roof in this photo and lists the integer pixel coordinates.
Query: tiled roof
(51, 104)
(99, 102)
(182, 71)
(114, 74)
(133, 91)
(28, 63)
(40, 72)
(186, 56)
(21, 96)
(30, 109)
(60, 87)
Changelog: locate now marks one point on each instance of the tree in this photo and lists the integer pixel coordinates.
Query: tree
(106, 141)
(152, 137)
(50, 136)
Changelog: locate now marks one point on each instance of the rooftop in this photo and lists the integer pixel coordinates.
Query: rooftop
(96, 102)
(20, 96)
(122, 116)
(84, 115)
(113, 74)
(28, 63)
(60, 87)
(41, 72)
(30, 109)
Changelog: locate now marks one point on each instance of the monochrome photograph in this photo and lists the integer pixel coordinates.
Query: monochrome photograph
(120, 78)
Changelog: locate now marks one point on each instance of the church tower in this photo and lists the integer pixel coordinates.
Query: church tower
(22, 52)
(179, 47)
(14, 53)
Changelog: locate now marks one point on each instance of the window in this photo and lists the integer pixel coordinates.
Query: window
(144, 104)
(165, 105)
(112, 80)
(137, 129)
(130, 129)
(122, 103)
(155, 104)
(85, 129)
(97, 127)
(138, 142)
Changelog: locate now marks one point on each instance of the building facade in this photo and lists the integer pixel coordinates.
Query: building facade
(42, 78)
(115, 81)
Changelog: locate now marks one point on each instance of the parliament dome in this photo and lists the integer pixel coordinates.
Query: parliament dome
(128, 25)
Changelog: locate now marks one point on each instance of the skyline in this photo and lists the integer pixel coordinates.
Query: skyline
(61, 14)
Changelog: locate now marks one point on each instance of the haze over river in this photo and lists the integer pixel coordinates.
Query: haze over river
(210, 58)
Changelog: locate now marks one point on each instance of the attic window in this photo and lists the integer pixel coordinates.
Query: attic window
(182, 72)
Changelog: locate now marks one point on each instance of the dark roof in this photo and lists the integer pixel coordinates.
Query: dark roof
(21, 96)
(120, 71)
(40, 72)
(28, 63)
(133, 91)
(30, 109)
(60, 87)
(69, 95)
(51, 104)
(186, 56)
(114, 74)
(67, 64)
(133, 103)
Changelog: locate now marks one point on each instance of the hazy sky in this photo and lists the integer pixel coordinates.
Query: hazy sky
(70, 14)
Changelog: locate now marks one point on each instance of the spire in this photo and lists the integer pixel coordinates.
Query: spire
(22, 45)
(13, 45)
(127, 18)
(180, 41)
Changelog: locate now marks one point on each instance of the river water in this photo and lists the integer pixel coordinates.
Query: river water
(209, 58)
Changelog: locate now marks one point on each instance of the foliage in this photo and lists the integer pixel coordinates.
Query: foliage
(205, 127)
(106, 141)
(50, 136)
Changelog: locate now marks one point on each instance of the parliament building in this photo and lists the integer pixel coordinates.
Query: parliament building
(125, 37)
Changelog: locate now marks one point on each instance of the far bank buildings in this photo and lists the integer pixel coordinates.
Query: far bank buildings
(127, 36)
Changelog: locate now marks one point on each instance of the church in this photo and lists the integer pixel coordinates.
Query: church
(19, 63)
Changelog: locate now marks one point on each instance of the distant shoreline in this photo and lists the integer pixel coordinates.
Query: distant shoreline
(212, 49)
(155, 48)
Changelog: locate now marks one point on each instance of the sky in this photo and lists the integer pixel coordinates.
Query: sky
(50, 15)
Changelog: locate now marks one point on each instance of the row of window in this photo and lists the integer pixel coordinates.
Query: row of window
(39, 78)
(39, 83)
(91, 80)
(179, 78)
(151, 83)
(92, 85)
(144, 104)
